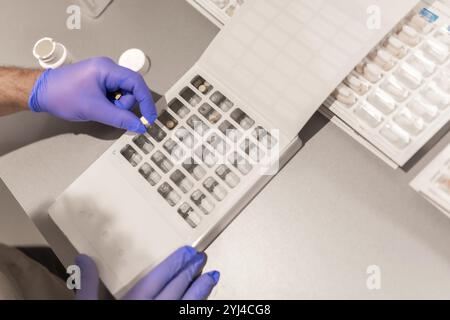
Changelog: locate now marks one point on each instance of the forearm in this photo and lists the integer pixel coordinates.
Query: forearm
(15, 87)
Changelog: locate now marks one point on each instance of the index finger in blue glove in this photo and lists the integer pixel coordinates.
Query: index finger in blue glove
(133, 82)
(202, 287)
(109, 114)
(153, 283)
(178, 286)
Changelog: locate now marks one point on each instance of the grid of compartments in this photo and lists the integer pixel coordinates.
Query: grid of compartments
(178, 156)
(399, 91)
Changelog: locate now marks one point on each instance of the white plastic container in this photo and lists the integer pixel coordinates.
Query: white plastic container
(51, 54)
(136, 60)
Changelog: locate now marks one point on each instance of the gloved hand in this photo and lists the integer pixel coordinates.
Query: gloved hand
(177, 277)
(79, 92)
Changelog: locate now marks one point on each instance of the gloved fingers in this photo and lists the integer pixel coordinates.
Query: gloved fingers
(158, 278)
(89, 278)
(202, 287)
(126, 102)
(176, 288)
(133, 82)
(107, 113)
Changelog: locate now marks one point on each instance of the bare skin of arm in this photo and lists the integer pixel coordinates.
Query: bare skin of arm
(15, 88)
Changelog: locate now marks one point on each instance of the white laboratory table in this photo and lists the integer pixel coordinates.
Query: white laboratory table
(312, 233)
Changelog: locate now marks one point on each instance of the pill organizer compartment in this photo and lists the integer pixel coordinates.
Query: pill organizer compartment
(433, 183)
(218, 11)
(397, 98)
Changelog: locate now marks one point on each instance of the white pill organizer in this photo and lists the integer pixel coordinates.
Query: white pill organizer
(433, 183)
(224, 130)
(398, 97)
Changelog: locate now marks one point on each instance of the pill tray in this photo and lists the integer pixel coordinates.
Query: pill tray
(433, 183)
(199, 150)
(398, 97)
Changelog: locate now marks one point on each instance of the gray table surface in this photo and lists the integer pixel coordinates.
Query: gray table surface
(332, 212)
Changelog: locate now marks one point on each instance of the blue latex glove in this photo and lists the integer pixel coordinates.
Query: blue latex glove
(177, 277)
(79, 92)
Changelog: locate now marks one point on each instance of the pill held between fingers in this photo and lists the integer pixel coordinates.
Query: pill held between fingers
(145, 123)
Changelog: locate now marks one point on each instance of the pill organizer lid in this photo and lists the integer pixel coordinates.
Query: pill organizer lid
(284, 58)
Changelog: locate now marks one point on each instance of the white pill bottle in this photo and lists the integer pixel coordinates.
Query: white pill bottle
(51, 54)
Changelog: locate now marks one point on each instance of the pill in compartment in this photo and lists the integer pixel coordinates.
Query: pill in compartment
(207, 157)
(369, 114)
(435, 96)
(174, 150)
(179, 108)
(344, 95)
(167, 120)
(228, 176)
(264, 137)
(133, 157)
(252, 150)
(423, 109)
(382, 101)
(202, 85)
(215, 189)
(143, 143)
(162, 162)
(150, 174)
(396, 89)
(202, 202)
(157, 133)
(219, 144)
(357, 84)
(384, 59)
(168, 193)
(221, 101)
(230, 131)
(443, 36)
(194, 169)
(409, 36)
(210, 114)
(423, 21)
(411, 123)
(198, 125)
(436, 51)
(190, 97)
(188, 214)
(396, 47)
(240, 163)
(183, 182)
(409, 76)
(443, 80)
(396, 135)
(370, 71)
(186, 137)
(242, 119)
(422, 64)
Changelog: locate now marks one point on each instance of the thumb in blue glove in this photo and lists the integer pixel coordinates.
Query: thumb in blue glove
(79, 92)
(177, 277)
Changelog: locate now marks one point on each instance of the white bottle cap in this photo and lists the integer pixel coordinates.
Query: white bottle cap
(50, 54)
(136, 60)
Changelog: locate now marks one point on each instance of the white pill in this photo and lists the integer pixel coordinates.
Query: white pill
(382, 101)
(396, 135)
(396, 89)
